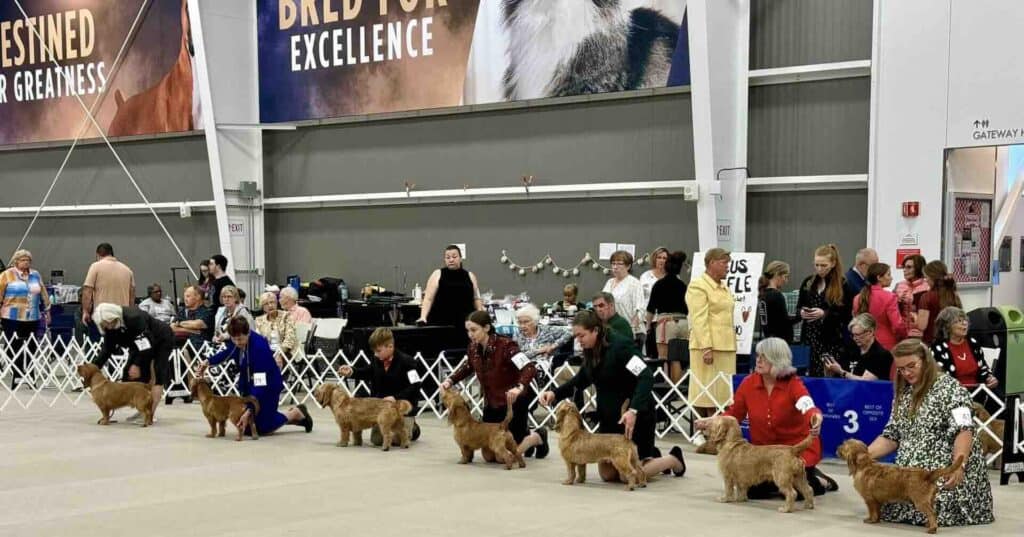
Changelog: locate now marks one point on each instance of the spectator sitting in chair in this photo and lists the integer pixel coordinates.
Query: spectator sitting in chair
(958, 355)
(277, 327)
(604, 306)
(232, 308)
(866, 359)
(158, 307)
(289, 298)
(392, 376)
(195, 320)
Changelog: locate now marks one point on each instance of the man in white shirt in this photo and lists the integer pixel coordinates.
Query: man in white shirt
(158, 307)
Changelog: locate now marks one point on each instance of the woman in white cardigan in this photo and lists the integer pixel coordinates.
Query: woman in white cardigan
(629, 295)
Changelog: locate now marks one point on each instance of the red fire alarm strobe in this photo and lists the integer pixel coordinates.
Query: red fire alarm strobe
(911, 209)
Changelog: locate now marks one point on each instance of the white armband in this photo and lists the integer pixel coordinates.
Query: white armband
(636, 366)
(804, 403)
(521, 360)
(413, 376)
(962, 416)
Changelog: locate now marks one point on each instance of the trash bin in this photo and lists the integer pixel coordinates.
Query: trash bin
(989, 328)
(1013, 364)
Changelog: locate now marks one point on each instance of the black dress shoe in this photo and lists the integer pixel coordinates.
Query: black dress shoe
(543, 448)
(677, 452)
(307, 420)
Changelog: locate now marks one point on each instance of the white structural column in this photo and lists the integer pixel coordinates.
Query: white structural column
(719, 65)
(224, 34)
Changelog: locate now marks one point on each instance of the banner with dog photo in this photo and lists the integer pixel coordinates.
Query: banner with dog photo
(59, 50)
(332, 58)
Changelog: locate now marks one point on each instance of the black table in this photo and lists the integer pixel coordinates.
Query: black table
(429, 341)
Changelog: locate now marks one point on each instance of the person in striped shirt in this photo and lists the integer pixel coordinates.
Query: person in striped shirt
(25, 302)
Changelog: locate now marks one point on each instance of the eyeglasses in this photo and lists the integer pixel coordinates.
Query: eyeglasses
(618, 264)
(861, 333)
(908, 368)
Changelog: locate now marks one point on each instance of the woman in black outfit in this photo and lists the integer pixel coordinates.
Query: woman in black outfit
(667, 310)
(611, 365)
(825, 305)
(149, 343)
(772, 313)
(451, 294)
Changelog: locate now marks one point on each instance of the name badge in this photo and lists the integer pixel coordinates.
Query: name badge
(143, 344)
(962, 416)
(521, 360)
(259, 379)
(636, 365)
(413, 375)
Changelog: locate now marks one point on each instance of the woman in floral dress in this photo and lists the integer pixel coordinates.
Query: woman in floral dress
(932, 424)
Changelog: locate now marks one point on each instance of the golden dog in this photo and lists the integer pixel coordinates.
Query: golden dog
(884, 483)
(744, 465)
(219, 409)
(990, 445)
(110, 396)
(354, 414)
(580, 447)
(492, 439)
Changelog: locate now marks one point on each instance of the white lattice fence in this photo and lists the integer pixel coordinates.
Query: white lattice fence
(982, 393)
(51, 366)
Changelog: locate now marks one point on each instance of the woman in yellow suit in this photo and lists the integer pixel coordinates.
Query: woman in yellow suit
(712, 336)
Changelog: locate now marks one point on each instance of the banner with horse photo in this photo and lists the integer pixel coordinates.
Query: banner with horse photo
(333, 58)
(58, 51)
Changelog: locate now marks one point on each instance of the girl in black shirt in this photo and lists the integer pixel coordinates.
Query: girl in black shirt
(772, 313)
(667, 309)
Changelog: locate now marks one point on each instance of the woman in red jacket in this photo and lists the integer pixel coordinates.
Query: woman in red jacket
(505, 375)
(882, 304)
(780, 411)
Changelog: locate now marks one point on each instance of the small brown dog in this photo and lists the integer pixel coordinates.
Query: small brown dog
(989, 445)
(579, 447)
(219, 409)
(110, 396)
(354, 414)
(492, 439)
(884, 483)
(744, 465)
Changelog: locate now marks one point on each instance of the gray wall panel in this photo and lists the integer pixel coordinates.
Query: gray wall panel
(607, 141)
(69, 243)
(810, 128)
(775, 227)
(784, 33)
(167, 170)
(366, 244)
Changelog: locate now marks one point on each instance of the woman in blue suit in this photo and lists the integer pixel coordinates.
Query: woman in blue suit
(259, 376)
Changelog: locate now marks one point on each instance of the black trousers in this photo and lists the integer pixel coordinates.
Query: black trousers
(768, 489)
(519, 426)
(18, 333)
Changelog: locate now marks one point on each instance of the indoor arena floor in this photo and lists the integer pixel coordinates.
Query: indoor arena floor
(63, 475)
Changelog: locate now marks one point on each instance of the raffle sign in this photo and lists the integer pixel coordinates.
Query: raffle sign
(972, 240)
(331, 58)
(65, 49)
(744, 271)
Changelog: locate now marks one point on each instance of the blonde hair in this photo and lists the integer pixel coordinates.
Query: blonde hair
(18, 255)
(715, 254)
(231, 290)
(267, 297)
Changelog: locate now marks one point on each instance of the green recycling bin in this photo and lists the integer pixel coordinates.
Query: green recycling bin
(1014, 349)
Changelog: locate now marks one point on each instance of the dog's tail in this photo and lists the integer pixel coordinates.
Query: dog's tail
(508, 418)
(802, 446)
(404, 407)
(255, 403)
(943, 472)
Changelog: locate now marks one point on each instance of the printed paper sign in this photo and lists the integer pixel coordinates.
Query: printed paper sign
(636, 366)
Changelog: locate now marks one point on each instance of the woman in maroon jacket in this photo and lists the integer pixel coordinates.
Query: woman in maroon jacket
(502, 379)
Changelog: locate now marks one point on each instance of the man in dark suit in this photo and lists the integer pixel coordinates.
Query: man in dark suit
(855, 276)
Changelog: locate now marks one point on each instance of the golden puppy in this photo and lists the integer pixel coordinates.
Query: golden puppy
(580, 447)
(744, 465)
(354, 414)
(884, 483)
(219, 409)
(989, 445)
(492, 439)
(110, 396)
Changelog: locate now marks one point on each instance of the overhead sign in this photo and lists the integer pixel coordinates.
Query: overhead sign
(65, 50)
(331, 58)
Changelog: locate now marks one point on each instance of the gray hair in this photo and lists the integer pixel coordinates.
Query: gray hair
(945, 320)
(105, 313)
(530, 311)
(777, 352)
(18, 255)
(864, 253)
(606, 296)
(864, 321)
(267, 297)
(289, 292)
(231, 290)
